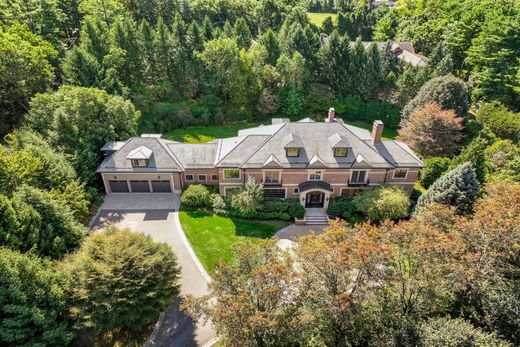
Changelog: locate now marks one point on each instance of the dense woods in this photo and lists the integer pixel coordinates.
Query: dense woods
(76, 74)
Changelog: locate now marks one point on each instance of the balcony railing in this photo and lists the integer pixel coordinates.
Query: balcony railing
(268, 182)
(363, 183)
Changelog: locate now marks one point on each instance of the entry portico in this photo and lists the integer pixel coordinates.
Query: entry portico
(315, 194)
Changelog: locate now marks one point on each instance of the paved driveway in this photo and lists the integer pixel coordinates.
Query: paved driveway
(174, 328)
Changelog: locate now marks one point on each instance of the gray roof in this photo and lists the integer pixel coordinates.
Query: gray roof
(315, 141)
(263, 146)
(161, 159)
(195, 155)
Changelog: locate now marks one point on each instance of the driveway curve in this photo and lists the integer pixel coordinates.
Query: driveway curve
(173, 328)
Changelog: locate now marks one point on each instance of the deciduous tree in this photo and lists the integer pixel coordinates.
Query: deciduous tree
(432, 131)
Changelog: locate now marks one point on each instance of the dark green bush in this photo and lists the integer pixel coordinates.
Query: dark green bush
(274, 215)
(434, 168)
(341, 205)
(242, 214)
(196, 195)
(296, 210)
(278, 205)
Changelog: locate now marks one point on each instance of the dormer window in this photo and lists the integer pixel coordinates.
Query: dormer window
(292, 151)
(139, 162)
(340, 151)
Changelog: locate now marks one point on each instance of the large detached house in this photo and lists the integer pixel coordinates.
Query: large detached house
(307, 160)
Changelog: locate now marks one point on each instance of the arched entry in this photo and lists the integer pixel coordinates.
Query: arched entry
(315, 199)
(315, 194)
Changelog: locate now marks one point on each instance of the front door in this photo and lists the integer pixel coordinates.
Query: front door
(314, 200)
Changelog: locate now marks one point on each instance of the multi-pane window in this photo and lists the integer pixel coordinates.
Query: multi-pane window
(271, 193)
(202, 178)
(214, 177)
(231, 173)
(272, 176)
(315, 176)
(293, 151)
(340, 152)
(188, 178)
(139, 163)
(400, 173)
(358, 176)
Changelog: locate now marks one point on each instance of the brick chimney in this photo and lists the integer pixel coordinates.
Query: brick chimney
(332, 114)
(377, 131)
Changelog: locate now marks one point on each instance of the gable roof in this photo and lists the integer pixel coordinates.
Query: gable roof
(338, 141)
(141, 152)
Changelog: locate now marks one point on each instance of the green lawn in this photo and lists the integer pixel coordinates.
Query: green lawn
(388, 134)
(318, 18)
(207, 133)
(213, 237)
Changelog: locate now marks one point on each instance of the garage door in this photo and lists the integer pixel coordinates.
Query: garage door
(161, 187)
(140, 186)
(118, 186)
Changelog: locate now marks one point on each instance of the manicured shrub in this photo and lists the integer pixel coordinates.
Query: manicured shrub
(120, 280)
(218, 204)
(341, 206)
(274, 215)
(500, 120)
(296, 210)
(458, 187)
(278, 205)
(196, 195)
(383, 202)
(434, 168)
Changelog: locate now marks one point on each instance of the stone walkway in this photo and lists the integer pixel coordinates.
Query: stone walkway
(293, 232)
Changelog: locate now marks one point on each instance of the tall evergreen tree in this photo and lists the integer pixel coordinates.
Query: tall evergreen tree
(270, 41)
(242, 33)
(372, 74)
(163, 50)
(458, 187)
(335, 63)
(147, 38)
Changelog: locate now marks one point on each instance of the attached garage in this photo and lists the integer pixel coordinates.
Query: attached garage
(140, 186)
(161, 187)
(118, 186)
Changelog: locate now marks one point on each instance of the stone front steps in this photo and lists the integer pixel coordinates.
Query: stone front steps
(316, 217)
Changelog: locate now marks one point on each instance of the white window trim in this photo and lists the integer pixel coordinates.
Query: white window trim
(230, 187)
(314, 172)
(224, 174)
(366, 175)
(341, 156)
(279, 174)
(186, 178)
(400, 178)
(285, 189)
(292, 148)
(205, 177)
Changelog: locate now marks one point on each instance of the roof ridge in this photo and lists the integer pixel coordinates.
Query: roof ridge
(170, 153)
(243, 139)
(364, 143)
(263, 144)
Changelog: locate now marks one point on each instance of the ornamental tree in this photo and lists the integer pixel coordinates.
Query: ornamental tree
(120, 280)
(432, 131)
(458, 187)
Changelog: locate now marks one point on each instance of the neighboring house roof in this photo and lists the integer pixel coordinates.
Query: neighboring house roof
(264, 146)
(113, 146)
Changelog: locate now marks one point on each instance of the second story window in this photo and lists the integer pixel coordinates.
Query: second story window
(272, 176)
(292, 151)
(139, 163)
(340, 152)
(358, 176)
(315, 176)
(231, 174)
